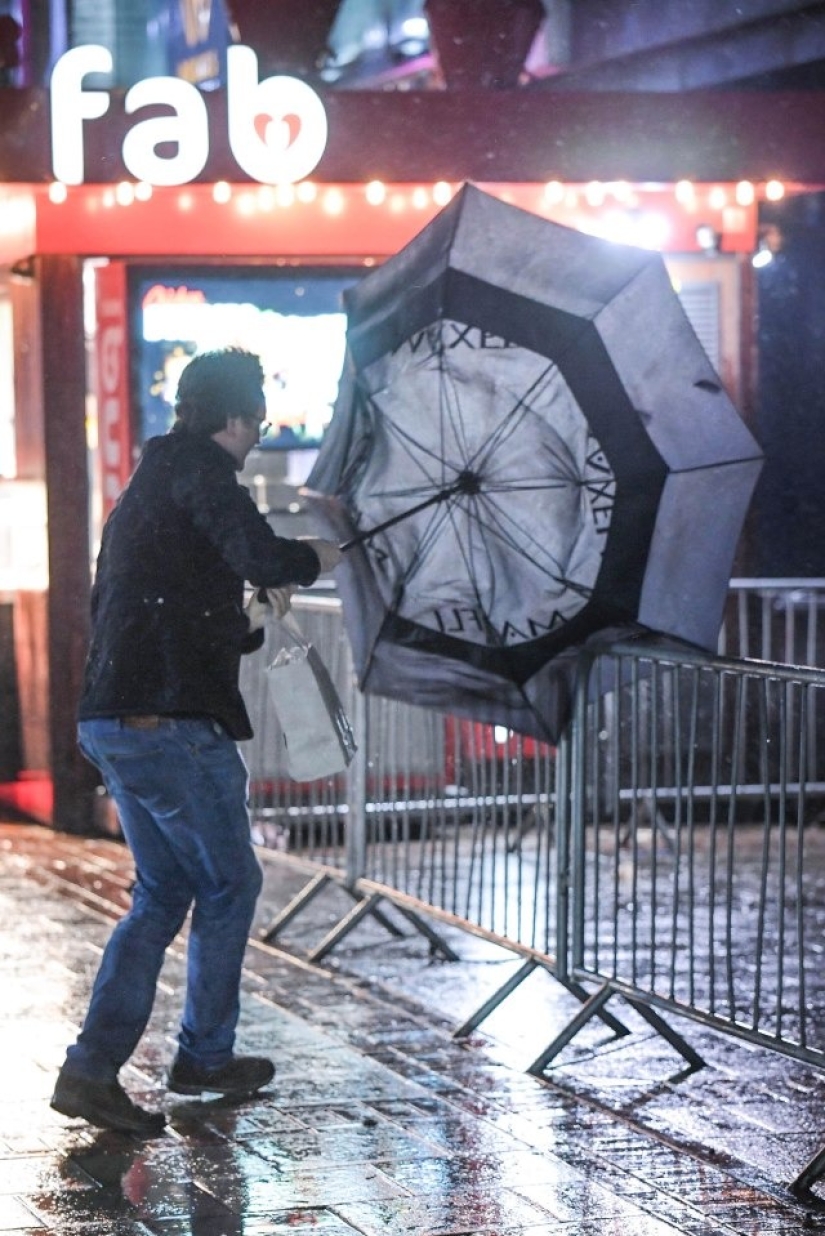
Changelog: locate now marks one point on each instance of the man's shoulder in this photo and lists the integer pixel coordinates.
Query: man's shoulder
(187, 453)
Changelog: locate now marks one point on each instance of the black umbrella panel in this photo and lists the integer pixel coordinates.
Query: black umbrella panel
(529, 446)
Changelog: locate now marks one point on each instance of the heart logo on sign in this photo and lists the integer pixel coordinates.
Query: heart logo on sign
(278, 134)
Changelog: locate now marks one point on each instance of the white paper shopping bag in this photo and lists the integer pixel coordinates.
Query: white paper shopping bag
(317, 733)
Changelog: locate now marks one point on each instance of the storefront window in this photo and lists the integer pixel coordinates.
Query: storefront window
(294, 322)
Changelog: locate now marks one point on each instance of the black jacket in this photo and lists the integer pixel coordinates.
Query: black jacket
(168, 627)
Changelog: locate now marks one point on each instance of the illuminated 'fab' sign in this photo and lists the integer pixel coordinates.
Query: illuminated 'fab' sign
(277, 128)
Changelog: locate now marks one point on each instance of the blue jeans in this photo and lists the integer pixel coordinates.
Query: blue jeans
(181, 794)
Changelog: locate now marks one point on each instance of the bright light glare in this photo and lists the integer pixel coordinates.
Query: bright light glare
(774, 190)
(58, 192)
(333, 203)
(645, 229)
(500, 734)
(622, 190)
(221, 191)
(707, 237)
(763, 258)
(306, 191)
(415, 28)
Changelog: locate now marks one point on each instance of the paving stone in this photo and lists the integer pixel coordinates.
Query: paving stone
(378, 1121)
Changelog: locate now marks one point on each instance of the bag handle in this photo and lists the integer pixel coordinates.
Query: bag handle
(291, 623)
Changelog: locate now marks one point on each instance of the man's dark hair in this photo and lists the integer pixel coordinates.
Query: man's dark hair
(217, 385)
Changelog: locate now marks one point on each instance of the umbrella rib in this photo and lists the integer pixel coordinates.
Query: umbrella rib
(566, 473)
(496, 528)
(407, 442)
(484, 605)
(413, 491)
(515, 487)
(511, 420)
(483, 608)
(450, 409)
(417, 451)
(428, 536)
(716, 463)
(500, 532)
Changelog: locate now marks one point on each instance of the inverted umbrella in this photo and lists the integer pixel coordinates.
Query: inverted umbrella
(529, 446)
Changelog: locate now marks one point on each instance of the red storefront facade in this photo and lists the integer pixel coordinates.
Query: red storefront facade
(390, 161)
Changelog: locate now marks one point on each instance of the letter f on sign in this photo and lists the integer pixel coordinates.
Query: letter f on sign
(71, 105)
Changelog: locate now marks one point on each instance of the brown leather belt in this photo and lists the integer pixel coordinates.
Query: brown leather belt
(143, 723)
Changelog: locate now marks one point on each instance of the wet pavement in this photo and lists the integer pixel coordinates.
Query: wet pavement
(379, 1121)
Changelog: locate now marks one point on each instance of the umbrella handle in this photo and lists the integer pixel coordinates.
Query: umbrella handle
(441, 496)
(359, 539)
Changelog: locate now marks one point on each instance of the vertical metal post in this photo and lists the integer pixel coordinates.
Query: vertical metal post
(573, 790)
(63, 360)
(356, 823)
(563, 853)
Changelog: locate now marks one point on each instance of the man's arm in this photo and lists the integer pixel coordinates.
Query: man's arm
(224, 512)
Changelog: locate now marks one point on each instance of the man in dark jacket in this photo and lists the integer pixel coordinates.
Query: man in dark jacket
(160, 715)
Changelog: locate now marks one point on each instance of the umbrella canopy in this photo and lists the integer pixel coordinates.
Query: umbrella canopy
(528, 415)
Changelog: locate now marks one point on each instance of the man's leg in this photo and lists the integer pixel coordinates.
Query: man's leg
(124, 989)
(225, 896)
(190, 783)
(226, 891)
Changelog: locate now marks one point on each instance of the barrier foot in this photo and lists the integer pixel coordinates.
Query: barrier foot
(345, 926)
(437, 943)
(667, 1032)
(594, 1007)
(810, 1173)
(369, 905)
(378, 915)
(618, 1027)
(490, 1005)
(589, 1009)
(294, 907)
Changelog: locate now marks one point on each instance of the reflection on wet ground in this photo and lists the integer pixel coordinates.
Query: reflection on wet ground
(378, 1121)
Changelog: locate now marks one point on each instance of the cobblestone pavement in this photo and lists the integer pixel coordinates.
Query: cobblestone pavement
(379, 1121)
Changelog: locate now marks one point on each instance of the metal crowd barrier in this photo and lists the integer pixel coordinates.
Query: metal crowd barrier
(695, 870)
(775, 620)
(664, 852)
